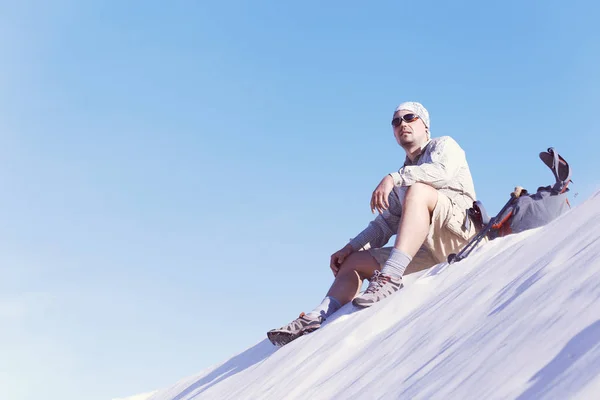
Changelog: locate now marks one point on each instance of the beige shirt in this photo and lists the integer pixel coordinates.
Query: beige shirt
(442, 165)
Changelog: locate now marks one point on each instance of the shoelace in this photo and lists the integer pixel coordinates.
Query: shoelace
(377, 281)
(295, 323)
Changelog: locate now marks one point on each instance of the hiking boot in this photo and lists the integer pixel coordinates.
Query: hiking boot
(302, 325)
(380, 287)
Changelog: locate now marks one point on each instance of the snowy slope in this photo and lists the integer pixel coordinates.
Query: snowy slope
(518, 319)
(142, 396)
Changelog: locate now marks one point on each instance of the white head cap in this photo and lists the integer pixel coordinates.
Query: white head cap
(416, 108)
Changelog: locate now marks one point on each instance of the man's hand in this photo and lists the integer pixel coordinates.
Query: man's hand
(379, 199)
(338, 258)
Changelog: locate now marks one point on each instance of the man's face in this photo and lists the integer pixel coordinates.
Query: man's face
(409, 133)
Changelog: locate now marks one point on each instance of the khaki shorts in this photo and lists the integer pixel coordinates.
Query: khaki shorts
(447, 235)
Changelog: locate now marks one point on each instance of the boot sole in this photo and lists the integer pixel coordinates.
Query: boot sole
(362, 305)
(281, 338)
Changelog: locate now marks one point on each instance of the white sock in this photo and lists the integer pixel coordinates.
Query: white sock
(396, 264)
(328, 306)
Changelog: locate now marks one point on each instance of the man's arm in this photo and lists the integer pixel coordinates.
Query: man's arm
(446, 159)
(382, 228)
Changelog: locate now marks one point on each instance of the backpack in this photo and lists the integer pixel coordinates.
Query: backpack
(524, 210)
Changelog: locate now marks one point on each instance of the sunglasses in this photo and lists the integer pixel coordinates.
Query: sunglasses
(406, 118)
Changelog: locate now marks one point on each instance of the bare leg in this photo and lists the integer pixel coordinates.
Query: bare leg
(419, 203)
(358, 266)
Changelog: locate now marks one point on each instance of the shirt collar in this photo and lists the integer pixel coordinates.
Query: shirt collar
(407, 160)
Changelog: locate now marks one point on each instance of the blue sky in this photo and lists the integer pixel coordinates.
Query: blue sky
(175, 177)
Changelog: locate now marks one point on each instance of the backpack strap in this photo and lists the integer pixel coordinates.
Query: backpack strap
(559, 167)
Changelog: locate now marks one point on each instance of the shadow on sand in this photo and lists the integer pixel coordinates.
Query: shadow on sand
(235, 365)
(558, 371)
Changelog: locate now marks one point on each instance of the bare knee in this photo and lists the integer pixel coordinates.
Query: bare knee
(362, 263)
(421, 194)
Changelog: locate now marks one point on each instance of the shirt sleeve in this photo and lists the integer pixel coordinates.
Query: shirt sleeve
(446, 159)
(382, 228)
